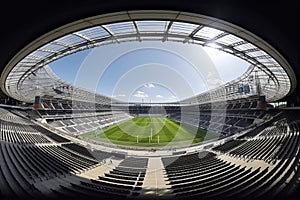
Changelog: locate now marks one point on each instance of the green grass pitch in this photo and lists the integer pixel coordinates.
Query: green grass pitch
(137, 132)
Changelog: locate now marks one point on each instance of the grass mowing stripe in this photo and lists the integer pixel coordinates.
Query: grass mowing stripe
(161, 133)
(164, 134)
(142, 121)
(167, 130)
(139, 123)
(146, 123)
(179, 132)
(127, 136)
(170, 131)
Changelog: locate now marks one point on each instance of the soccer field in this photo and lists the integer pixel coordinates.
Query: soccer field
(151, 131)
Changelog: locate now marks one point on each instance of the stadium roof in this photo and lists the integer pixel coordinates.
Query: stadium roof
(150, 25)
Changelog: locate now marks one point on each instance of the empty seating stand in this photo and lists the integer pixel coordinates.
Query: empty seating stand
(229, 145)
(79, 149)
(36, 163)
(121, 182)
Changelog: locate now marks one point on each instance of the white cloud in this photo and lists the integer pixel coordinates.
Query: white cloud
(118, 95)
(159, 96)
(213, 81)
(141, 94)
(149, 85)
(173, 97)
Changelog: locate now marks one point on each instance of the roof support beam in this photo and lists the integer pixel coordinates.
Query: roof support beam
(191, 36)
(137, 31)
(215, 38)
(83, 37)
(110, 33)
(167, 30)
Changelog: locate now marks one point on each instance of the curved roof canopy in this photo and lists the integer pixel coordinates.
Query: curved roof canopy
(276, 77)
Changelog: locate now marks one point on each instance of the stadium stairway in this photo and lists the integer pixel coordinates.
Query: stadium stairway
(155, 185)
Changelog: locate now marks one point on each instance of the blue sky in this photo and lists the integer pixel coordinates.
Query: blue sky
(149, 71)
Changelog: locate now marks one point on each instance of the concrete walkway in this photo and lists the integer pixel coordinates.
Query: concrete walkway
(155, 185)
(254, 164)
(94, 173)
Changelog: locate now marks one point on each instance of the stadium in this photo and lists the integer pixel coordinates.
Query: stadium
(236, 139)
